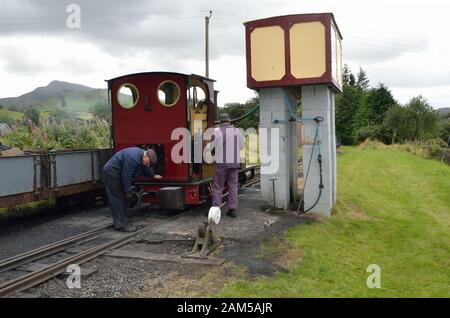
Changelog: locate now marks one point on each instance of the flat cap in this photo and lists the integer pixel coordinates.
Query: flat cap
(224, 117)
(152, 155)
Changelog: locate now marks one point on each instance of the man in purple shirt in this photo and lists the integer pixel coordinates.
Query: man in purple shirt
(228, 142)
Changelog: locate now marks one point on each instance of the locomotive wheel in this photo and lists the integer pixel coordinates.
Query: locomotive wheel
(252, 173)
(242, 179)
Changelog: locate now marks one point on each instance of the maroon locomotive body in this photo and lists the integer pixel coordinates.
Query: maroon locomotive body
(146, 109)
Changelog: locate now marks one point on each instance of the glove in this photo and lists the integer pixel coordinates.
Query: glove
(133, 199)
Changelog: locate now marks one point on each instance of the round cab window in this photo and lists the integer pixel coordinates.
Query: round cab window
(127, 96)
(196, 97)
(168, 93)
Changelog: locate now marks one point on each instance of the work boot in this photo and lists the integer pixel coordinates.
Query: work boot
(127, 228)
(231, 213)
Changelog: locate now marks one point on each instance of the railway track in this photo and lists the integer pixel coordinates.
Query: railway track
(251, 183)
(258, 173)
(39, 276)
(47, 250)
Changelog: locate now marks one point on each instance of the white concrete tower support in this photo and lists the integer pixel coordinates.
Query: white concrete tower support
(318, 101)
(278, 141)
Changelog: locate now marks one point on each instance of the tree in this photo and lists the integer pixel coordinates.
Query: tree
(376, 103)
(362, 80)
(347, 105)
(13, 108)
(236, 110)
(1, 106)
(363, 112)
(423, 117)
(399, 122)
(101, 110)
(351, 80)
(346, 72)
(415, 121)
(32, 113)
(444, 129)
(60, 114)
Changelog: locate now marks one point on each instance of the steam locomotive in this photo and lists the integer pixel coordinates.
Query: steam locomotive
(146, 110)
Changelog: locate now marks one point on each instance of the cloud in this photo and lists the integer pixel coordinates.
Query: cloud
(436, 96)
(118, 37)
(370, 50)
(175, 28)
(366, 53)
(46, 56)
(411, 77)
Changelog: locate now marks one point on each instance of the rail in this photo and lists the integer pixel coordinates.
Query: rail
(39, 276)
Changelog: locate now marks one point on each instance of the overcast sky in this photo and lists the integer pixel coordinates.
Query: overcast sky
(403, 43)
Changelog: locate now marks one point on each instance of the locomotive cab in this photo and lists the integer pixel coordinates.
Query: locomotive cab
(146, 109)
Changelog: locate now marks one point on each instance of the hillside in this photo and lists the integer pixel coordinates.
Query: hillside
(74, 102)
(74, 98)
(40, 94)
(443, 111)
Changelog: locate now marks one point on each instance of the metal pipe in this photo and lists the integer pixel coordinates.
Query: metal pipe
(273, 190)
(207, 44)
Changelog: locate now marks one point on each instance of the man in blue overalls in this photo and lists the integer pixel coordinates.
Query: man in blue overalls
(228, 142)
(118, 174)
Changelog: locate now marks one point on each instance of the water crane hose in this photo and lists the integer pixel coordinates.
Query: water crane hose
(317, 119)
(251, 111)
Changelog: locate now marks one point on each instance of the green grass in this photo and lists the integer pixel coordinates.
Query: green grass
(10, 114)
(393, 210)
(26, 209)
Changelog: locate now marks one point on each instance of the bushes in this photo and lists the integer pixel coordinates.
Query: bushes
(436, 148)
(377, 132)
(431, 149)
(365, 133)
(60, 135)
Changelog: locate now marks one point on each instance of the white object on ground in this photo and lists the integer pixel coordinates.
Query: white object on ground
(214, 214)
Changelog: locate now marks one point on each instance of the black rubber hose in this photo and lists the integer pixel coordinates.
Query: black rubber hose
(307, 172)
(320, 186)
(251, 111)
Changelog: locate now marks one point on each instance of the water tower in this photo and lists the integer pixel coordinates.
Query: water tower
(288, 58)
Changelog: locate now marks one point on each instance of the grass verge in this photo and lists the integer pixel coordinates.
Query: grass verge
(394, 211)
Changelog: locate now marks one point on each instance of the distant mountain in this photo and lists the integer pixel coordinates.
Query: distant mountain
(443, 111)
(40, 94)
(74, 98)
